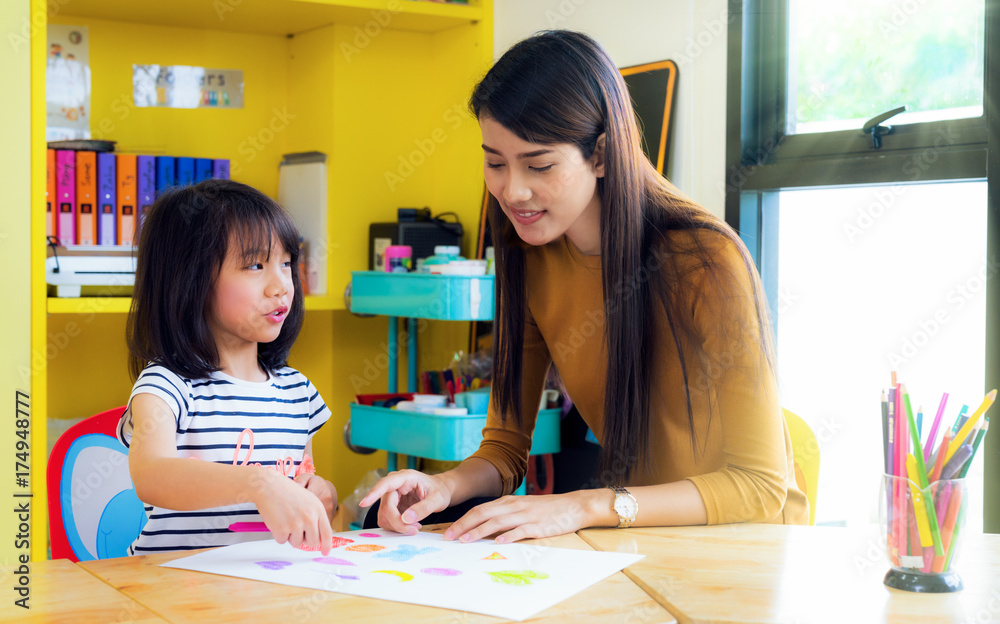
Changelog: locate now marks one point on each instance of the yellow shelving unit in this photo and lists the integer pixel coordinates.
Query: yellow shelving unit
(380, 86)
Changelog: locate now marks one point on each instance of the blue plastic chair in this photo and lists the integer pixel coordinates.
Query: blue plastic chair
(94, 512)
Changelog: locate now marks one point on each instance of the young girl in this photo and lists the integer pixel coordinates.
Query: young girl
(649, 305)
(219, 429)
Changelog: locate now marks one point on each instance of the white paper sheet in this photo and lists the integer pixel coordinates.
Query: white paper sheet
(513, 581)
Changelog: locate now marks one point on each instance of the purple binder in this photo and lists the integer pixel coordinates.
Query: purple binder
(106, 196)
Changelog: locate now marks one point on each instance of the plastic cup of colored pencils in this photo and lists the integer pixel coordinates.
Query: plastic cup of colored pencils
(923, 560)
(924, 496)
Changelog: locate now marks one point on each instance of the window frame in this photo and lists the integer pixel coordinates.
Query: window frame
(762, 159)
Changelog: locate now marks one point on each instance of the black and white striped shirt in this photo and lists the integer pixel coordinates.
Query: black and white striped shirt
(283, 413)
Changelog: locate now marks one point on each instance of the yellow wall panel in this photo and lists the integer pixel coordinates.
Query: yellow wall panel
(15, 250)
(252, 137)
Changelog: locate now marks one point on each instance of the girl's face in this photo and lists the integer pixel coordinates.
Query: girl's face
(251, 299)
(545, 190)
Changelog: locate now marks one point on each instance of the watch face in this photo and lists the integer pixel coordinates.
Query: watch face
(625, 506)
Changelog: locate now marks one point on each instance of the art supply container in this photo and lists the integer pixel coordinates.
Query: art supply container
(476, 401)
(398, 258)
(922, 549)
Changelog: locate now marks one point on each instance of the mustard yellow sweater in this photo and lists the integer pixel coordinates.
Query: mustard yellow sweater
(741, 456)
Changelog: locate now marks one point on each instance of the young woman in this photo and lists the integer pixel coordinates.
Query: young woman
(649, 305)
(216, 309)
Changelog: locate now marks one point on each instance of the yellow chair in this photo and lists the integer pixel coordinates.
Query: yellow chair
(805, 453)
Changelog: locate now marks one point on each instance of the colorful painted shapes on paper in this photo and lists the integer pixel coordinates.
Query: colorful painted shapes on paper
(369, 535)
(403, 576)
(273, 565)
(333, 561)
(337, 542)
(517, 577)
(406, 552)
(495, 555)
(348, 577)
(365, 548)
(441, 571)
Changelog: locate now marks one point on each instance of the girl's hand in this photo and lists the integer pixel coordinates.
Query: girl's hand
(408, 496)
(292, 513)
(526, 517)
(323, 489)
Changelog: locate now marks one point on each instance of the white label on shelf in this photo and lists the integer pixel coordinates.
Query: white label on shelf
(475, 298)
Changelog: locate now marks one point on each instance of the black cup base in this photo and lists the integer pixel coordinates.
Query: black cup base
(924, 583)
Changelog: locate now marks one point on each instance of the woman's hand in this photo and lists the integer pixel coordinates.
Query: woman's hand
(408, 496)
(324, 491)
(292, 513)
(526, 517)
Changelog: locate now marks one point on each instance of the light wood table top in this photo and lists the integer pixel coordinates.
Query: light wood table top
(794, 574)
(61, 591)
(187, 596)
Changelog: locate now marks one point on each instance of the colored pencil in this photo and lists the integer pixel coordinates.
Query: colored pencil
(885, 432)
(919, 509)
(962, 417)
(929, 446)
(953, 525)
(953, 466)
(939, 462)
(963, 433)
(899, 513)
(918, 454)
(975, 447)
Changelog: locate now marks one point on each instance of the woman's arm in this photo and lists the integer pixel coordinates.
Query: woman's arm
(525, 517)
(409, 496)
(164, 480)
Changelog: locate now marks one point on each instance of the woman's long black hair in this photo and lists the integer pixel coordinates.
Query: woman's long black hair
(562, 87)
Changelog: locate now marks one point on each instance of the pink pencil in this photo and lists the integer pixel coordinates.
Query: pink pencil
(934, 427)
(249, 527)
(902, 450)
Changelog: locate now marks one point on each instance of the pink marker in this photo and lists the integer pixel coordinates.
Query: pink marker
(249, 527)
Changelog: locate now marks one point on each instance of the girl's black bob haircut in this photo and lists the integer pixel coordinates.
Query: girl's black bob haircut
(183, 244)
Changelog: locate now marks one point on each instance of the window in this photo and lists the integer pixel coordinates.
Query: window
(835, 220)
(852, 60)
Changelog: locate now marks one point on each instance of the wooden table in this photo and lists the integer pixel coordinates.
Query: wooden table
(186, 596)
(61, 591)
(795, 575)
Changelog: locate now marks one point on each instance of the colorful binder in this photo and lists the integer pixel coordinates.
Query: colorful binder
(202, 169)
(86, 198)
(145, 188)
(185, 171)
(50, 193)
(220, 168)
(107, 182)
(66, 194)
(165, 174)
(126, 198)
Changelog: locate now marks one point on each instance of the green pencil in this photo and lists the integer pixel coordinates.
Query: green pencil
(975, 447)
(922, 474)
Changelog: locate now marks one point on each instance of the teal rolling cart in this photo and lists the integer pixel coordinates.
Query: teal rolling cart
(414, 296)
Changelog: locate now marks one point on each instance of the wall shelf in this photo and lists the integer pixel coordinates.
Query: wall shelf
(278, 17)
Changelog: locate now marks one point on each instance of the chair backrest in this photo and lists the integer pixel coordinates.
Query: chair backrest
(93, 510)
(805, 453)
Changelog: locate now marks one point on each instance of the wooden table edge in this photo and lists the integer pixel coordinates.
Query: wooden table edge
(671, 608)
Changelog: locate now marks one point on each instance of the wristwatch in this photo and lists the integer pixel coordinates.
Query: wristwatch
(625, 506)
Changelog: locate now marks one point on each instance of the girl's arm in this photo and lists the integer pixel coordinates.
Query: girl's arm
(164, 480)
